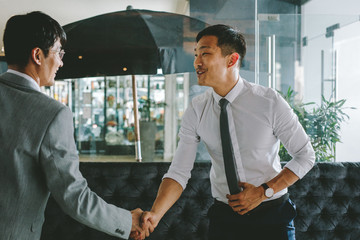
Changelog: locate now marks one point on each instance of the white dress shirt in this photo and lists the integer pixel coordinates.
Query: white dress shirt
(259, 118)
(27, 77)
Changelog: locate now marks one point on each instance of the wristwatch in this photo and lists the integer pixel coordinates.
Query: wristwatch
(269, 192)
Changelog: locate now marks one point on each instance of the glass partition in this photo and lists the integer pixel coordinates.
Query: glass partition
(104, 115)
(278, 42)
(3, 65)
(315, 55)
(312, 54)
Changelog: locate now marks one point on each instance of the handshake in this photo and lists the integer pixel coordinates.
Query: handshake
(143, 223)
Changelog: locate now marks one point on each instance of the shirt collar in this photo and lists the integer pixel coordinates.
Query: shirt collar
(234, 92)
(33, 83)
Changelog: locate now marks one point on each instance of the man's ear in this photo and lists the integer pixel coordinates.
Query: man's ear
(36, 55)
(233, 58)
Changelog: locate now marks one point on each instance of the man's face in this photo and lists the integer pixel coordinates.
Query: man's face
(210, 65)
(51, 65)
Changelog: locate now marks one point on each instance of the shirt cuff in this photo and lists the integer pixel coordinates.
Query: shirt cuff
(177, 177)
(300, 169)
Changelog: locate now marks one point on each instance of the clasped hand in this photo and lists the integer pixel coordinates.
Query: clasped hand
(144, 223)
(246, 200)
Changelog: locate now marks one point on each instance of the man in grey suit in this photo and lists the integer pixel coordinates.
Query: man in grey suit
(37, 149)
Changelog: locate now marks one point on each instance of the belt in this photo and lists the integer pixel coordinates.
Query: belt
(269, 204)
(265, 205)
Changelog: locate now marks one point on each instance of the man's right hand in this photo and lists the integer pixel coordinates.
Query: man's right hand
(149, 220)
(169, 192)
(137, 232)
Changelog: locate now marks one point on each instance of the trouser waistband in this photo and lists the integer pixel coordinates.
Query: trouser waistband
(265, 205)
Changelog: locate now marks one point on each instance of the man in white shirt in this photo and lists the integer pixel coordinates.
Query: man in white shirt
(258, 118)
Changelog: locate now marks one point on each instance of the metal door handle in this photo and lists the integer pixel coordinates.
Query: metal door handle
(270, 43)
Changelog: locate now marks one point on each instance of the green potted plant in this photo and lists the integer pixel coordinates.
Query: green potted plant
(322, 124)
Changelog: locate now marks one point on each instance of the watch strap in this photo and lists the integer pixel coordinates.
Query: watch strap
(268, 192)
(265, 186)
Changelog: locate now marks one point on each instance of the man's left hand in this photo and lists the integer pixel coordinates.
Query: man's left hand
(248, 199)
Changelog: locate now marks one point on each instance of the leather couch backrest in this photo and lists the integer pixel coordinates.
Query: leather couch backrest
(327, 200)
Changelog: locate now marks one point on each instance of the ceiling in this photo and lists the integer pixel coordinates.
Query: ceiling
(67, 11)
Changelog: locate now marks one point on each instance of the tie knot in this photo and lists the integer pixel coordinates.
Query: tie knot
(223, 103)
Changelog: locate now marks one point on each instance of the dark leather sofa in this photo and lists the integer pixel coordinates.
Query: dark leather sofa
(327, 199)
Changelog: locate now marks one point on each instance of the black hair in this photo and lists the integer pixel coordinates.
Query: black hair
(229, 39)
(26, 32)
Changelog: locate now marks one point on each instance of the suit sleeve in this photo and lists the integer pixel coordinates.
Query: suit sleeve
(60, 163)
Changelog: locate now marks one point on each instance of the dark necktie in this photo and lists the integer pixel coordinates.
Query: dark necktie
(228, 152)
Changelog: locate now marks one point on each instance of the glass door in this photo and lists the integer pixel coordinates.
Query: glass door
(315, 55)
(278, 41)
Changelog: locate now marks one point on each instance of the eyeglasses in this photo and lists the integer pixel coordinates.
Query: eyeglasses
(60, 53)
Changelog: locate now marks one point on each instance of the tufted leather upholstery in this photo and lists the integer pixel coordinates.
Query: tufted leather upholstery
(327, 199)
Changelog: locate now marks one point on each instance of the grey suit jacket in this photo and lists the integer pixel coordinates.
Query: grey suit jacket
(38, 156)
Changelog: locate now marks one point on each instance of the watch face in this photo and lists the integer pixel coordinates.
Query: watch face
(269, 192)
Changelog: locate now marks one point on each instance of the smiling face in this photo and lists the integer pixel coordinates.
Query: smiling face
(50, 65)
(210, 65)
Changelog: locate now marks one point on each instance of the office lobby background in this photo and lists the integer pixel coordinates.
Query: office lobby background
(312, 46)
